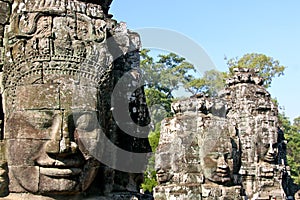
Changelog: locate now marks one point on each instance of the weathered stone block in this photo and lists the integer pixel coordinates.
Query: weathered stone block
(30, 148)
(78, 97)
(49, 185)
(28, 177)
(4, 12)
(48, 97)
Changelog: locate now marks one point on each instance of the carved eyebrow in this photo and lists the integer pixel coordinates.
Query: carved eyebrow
(79, 113)
(41, 110)
(40, 118)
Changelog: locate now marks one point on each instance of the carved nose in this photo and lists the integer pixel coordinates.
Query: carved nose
(222, 164)
(60, 142)
(271, 149)
(160, 171)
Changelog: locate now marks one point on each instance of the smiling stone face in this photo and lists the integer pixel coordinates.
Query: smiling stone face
(45, 154)
(219, 155)
(62, 60)
(218, 164)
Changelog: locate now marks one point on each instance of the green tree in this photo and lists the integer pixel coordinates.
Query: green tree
(292, 136)
(267, 67)
(297, 123)
(150, 174)
(162, 78)
(211, 83)
(167, 74)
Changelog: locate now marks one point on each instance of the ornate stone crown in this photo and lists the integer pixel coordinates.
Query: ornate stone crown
(55, 37)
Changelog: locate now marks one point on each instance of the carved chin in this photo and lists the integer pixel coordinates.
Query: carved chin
(219, 179)
(269, 159)
(163, 178)
(50, 185)
(27, 177)
(34, 181)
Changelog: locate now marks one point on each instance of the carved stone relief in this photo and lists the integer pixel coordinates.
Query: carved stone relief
(59, 72)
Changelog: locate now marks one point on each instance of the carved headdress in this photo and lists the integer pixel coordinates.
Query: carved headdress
(54, 41)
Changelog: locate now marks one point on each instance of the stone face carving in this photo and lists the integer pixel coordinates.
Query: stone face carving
(43, 145)
(219, 153)
(233, 144)
(61, 62)
(198, 156)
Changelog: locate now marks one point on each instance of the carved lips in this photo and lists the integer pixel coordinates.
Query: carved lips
(65, 167)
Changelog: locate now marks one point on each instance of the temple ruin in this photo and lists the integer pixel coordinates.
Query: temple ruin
(74, 119)
(226, 147)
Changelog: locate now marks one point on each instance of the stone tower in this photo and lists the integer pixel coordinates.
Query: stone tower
(61, 62)
(227, 147)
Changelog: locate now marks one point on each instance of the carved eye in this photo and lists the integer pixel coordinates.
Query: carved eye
(43, 124)
(41, 120)
(227, 155)
(214, 156)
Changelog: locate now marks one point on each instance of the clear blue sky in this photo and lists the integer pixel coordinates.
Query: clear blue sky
(230, 28)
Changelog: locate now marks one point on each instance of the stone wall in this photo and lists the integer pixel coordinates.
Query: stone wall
(193, 160)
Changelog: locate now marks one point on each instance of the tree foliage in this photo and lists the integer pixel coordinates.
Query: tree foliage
(150, 176)
(296, 124)
(150, 173)
(162, 78)
(167, 74)
(211, 83)
(154, 137)
(292, 135)
(267, 67)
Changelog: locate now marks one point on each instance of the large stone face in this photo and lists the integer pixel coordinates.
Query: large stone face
(227, 147)
(61, 62)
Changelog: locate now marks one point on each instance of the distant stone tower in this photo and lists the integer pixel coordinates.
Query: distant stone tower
(228, 147)
(263, 161)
